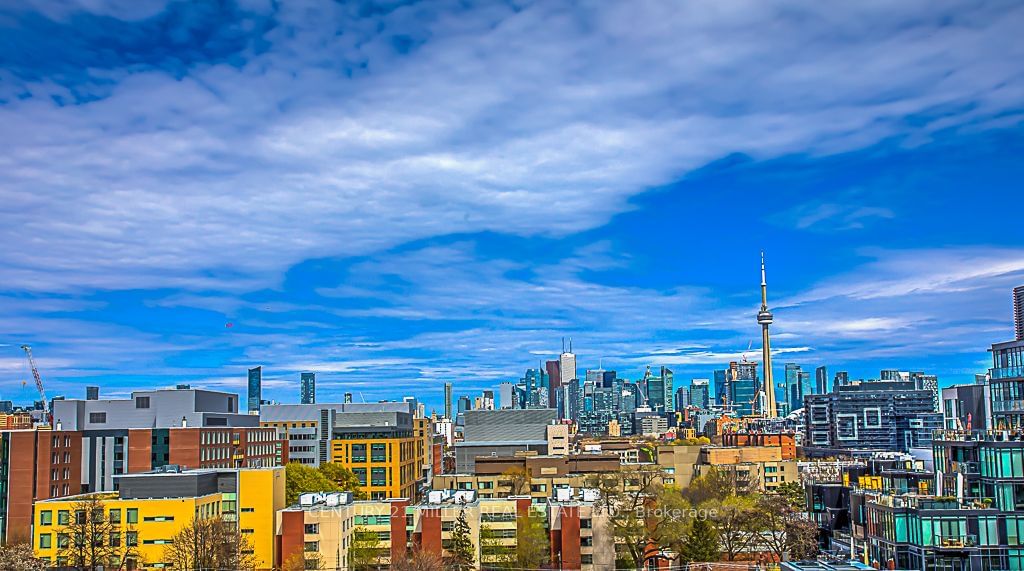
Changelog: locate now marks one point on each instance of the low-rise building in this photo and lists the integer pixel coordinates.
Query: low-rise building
(535, 476)
(323, 528)
(35, 465)
(148, 510)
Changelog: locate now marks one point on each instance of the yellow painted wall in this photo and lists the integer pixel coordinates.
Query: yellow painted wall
(260, 495)
(401, 465)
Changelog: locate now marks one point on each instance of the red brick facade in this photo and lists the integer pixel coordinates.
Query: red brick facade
(41, 464)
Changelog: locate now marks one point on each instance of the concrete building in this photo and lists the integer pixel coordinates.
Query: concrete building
(579, 534)
(161, 408)
(751, 468)
(869, 416)
(557, 436)
(492, 476)
(967, 407)
(148, 510)
(502, 433)
(307, 428)
(154, 428)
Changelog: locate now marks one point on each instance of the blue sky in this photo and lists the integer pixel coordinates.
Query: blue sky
(399, 195)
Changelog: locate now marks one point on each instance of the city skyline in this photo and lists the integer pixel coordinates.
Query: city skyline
(205, 194)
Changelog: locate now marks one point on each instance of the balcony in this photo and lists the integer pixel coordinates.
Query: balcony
(1000, 373)
(955, 541)
(977, 435)
(911, 501)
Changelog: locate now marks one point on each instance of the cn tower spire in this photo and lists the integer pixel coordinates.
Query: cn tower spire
(764, 318)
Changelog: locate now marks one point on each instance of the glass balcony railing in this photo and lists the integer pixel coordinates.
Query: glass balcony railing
(1013, 405)
(1000, 373)
(955, 541)
(977, 435)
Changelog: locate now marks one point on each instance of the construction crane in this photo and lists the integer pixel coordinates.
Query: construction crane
(39, 382)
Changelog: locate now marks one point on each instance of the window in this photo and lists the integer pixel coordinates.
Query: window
(46, 517)
(98, 417)
(312, 528)
(586, 523)
(115, 539)
(141, 402)
(115, 516)
(62, 540)
(311, 546)
(133, 515)
(498, 517)
(379, 453)
(63, 517)
(248, 530)
(44, 541)
(159, 518)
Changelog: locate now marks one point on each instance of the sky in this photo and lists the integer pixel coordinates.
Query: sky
(396, 195)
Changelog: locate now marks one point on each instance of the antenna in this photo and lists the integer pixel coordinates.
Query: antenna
(570, 344)
(563, 344)
(763, 281)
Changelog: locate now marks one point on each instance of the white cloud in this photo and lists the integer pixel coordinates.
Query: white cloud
(225, 177)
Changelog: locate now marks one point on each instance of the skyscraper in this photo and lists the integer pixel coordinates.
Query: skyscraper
(764, 318)
(1018, 311)
(841, 378)
(567, 365)
(554, 379)
(348, 398)
(308, 392)
(448, 401)
(667, 381)
(506, 395)
(255, 388)
(699, 396)
(806, 388)
(821, 380)
(794, 392)
(721, 395)
(92, 393)
(742, 382)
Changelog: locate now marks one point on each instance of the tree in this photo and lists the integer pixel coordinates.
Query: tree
(303, 561)
(329, 477)
(343, 478)
(701, 543)
(462, 554)
(19, 557)
(365, 551)
(531, 541)
(737, 522)
(210, 543)
(793, 492)
(712, 486)
(93, 539)
(788, 534)
(643, 513)
(493, 553)
(519, 480)
(419, 561)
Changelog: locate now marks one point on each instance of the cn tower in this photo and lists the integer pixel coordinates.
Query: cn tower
(764, 317)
